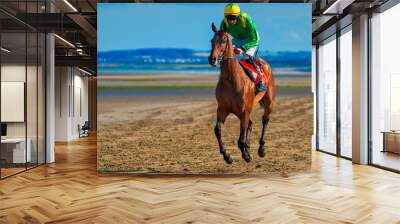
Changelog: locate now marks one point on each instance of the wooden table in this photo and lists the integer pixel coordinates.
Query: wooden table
(391, 141)
(13, 150)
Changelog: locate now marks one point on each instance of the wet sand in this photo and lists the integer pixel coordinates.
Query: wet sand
(174, 134)
(198, 79)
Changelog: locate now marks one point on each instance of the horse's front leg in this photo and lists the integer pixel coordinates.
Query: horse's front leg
(243, 141)
(248, 133)
(221, 115)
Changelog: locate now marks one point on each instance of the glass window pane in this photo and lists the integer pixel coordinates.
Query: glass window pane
(385, 84)
(346, 93)
(327, 95)
(22, 87)
(14, 153)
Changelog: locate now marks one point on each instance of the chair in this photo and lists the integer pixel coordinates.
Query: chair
(84, 130)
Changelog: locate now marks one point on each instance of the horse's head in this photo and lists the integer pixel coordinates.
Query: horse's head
(219, 45)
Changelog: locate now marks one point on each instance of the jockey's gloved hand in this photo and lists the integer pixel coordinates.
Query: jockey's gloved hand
(238, 51)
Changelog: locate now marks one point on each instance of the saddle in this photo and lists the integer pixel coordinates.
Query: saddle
(252, 72)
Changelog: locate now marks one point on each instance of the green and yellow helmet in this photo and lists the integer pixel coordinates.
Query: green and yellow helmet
(232, 9)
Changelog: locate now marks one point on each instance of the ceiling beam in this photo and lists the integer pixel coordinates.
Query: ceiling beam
(86, 26)
(78, 61)
(338, 6)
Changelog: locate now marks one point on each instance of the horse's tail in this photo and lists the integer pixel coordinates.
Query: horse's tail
(272, 86)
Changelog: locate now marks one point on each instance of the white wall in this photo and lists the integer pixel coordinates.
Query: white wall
(13, 73)
(80, 109)
(71, 102)
(62, 82)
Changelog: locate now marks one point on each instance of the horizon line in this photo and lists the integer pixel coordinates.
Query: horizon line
(165, 48)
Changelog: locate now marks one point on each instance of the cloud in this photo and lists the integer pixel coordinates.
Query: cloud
(295, 35)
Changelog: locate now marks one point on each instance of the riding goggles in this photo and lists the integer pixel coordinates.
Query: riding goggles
(231, 17)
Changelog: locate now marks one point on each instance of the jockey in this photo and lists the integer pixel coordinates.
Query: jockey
(245, 36)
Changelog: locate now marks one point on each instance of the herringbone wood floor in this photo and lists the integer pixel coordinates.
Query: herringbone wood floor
(70, 191)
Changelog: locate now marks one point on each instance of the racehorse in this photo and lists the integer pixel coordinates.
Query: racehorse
(235, 93)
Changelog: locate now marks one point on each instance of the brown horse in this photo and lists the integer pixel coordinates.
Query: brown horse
(235, 93)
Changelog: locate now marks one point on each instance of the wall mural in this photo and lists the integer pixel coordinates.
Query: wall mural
(204, 88)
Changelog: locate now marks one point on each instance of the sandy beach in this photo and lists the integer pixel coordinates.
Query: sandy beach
(172, 132)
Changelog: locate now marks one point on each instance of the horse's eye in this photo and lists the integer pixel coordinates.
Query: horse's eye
(223, 41)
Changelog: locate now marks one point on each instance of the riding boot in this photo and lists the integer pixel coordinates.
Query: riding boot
(260, 87)
(252, 62)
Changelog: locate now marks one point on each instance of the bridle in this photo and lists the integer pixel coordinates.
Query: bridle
(224, 57)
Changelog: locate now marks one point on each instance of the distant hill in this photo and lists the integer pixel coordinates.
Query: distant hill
(175, 56)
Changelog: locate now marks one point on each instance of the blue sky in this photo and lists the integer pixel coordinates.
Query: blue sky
(282, 27)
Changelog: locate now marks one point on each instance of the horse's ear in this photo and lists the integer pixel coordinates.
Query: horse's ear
(214, 29)
(224, 28)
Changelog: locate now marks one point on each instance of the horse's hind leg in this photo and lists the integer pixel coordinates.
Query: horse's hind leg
(265, 120)
(242, 142)
(261, 149)
(221, 115)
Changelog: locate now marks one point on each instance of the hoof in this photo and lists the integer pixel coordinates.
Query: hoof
(228, 159)
(261, 151)
(246, 157)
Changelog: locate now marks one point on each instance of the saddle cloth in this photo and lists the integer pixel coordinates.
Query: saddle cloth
(253, 74)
